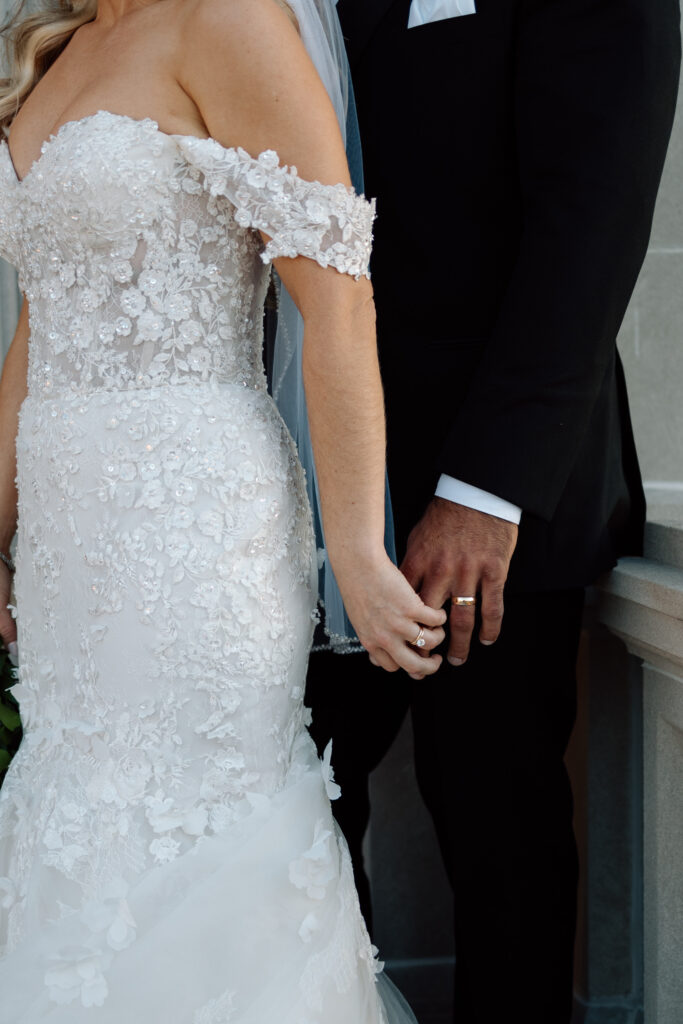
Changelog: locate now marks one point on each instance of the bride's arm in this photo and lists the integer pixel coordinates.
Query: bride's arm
(255, 87)
(12, 394)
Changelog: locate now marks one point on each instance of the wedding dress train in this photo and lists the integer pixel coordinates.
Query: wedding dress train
(167, 849)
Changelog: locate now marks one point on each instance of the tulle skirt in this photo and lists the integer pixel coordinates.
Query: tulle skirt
(258, 926)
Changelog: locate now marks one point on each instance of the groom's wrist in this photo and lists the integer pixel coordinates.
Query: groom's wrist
(474, 497)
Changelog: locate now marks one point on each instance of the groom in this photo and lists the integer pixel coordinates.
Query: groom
(515, 149)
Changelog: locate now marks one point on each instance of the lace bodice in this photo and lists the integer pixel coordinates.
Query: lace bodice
(141, 258)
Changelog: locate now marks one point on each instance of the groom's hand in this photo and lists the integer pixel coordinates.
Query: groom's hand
(456, 551)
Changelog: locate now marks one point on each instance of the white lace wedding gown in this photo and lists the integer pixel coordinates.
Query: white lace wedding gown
(167, 849)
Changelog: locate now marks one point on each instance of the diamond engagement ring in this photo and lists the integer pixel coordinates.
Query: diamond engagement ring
(464, 602)
(420, 639)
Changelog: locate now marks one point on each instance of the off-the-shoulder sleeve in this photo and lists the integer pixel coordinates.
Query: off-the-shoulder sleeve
(330, 224)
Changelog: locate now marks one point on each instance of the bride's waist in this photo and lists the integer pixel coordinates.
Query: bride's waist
(189, 395)
(143, 417)
(75, 392)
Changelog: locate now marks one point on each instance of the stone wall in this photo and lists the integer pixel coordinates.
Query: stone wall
(651, 340)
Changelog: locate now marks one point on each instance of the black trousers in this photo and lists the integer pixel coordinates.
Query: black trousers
(490, 739)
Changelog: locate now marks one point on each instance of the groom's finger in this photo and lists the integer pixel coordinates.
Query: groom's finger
(431, 582)
(436, 585)
(461, 618)
(413, 573)
(492, 608)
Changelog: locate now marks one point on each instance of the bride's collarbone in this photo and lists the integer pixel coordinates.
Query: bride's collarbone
(33, 128)
(81, 84)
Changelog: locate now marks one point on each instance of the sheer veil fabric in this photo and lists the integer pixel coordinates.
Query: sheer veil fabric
(322, 37)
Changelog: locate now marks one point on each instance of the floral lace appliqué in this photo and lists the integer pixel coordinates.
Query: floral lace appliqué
(165, 568)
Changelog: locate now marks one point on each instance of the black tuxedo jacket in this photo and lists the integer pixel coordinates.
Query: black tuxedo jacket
(515, 155)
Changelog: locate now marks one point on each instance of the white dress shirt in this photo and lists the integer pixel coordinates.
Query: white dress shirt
(473, 497)
(423, 12)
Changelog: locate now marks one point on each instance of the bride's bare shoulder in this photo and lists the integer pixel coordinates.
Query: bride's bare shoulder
(218, 24)
(235, 44)
(245, 67)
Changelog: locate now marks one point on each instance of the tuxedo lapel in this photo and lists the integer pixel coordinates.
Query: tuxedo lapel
(359, 19)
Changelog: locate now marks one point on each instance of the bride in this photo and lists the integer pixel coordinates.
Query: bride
(167, 850)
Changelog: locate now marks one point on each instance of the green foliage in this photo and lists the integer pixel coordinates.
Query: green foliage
(10, 723)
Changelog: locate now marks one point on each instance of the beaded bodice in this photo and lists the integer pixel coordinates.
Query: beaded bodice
(140, 254)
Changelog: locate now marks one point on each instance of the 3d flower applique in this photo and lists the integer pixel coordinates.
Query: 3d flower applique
(111, 916)
(217, 1011)
(164, 849)
(77, 974)
(8, 893)
(309, 926)
(316, 868)
(370, 953)
(132, 774)
(331, 787)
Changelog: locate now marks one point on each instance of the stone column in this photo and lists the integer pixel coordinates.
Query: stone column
(663, 824)
(605, 762)
(642, 603)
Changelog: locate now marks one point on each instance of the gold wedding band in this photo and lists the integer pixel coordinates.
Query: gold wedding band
(464, 602)
(420, 641)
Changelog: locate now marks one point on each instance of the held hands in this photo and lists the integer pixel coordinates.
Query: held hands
(456, 551)
(388, 616)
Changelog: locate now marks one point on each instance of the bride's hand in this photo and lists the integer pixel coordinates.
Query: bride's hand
(388, 617)
(8, 627)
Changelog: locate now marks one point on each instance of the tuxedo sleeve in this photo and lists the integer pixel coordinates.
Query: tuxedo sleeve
(595, 93)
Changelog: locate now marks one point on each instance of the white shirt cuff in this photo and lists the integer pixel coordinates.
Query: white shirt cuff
(473, 497)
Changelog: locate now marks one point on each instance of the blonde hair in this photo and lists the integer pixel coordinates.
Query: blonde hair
(32, 44)
(34, 41)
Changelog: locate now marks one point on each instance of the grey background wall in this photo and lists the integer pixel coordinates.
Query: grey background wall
(651, 340)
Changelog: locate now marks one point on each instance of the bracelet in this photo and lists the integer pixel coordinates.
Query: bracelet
(9, 562)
